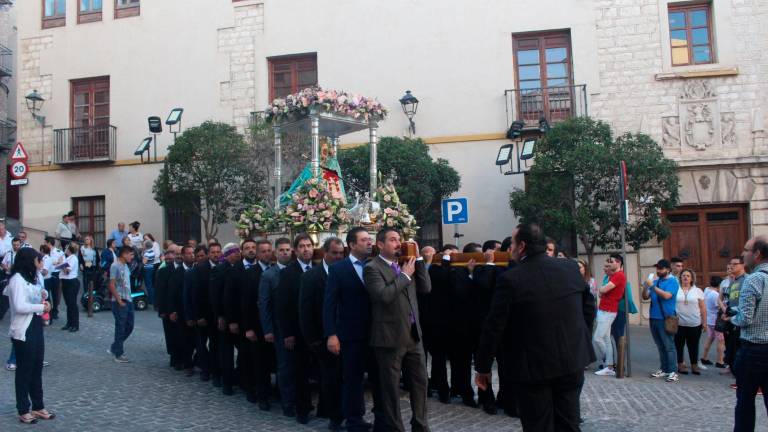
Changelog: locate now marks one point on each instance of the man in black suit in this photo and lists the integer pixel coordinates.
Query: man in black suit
(163, 303)
(293, 368)
(205, 275)
(396, 331)
(197, 307)
(227, 341)
(259, 351)
(311, 300)
(548, 322)
(181, 278)
(347, 323)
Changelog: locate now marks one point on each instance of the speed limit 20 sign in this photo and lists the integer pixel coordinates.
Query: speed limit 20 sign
(19, 169)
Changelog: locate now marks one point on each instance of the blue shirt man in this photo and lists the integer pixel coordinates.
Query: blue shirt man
(118, 234)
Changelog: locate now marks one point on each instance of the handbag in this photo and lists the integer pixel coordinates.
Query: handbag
(671, 322)
(722, 325)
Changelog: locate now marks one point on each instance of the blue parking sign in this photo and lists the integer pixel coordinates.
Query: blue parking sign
(455, 211)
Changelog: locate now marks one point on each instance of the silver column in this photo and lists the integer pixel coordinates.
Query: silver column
(373, 141)
(335, 146)
(278, 165)
(315, 131)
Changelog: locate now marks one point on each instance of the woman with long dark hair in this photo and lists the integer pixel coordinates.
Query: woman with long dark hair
(28, 300)
(70, 286)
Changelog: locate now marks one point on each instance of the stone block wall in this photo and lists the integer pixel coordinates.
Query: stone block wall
(37, 141)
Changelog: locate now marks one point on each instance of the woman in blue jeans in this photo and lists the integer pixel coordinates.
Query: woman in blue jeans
(663, 292)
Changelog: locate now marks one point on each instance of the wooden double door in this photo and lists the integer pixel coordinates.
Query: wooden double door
(706, 237)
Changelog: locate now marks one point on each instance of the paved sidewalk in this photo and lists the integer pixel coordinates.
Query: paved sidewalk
(92, 393)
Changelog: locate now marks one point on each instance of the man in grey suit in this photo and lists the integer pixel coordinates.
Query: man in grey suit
(395, 330)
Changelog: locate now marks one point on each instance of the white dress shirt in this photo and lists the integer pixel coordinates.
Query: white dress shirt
(74, 268)
(26, 299)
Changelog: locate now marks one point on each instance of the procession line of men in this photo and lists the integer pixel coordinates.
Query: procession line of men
(351, 316)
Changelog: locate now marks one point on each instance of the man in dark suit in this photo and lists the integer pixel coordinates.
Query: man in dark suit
(206, 309)
(347, 323)
(232, 293)
(293, 367)
(196, 307)
(395, 330)
(259, 350)
(219, 279)
(163, 303)
(547, 310)
(436, 321)
(311, 300)
(181, 281)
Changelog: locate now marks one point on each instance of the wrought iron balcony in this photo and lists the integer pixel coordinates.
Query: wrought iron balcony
(7, 134)
(6, 61)
(80, 145)
(555, 104)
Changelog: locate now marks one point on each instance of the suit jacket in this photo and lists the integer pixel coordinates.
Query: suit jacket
(216, 288)
(202, 297)
(346, 308)
(189, 294)
(245, 299)
(232, 296)
(437, 308)
(267, 287)
(287, 301)
(176, 291)
(393, 300)
(311, 298)
(162, 289)
(548, 311)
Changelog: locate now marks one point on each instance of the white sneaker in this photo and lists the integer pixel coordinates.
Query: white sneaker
(10, 367)
(659, 374)
(121, 359)
(606, 372)
(45, 363)
(701, 366)
(672, 377)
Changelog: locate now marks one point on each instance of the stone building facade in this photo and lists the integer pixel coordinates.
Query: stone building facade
(8, 57)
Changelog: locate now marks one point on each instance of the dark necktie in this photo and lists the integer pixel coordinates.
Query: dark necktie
(307, 268)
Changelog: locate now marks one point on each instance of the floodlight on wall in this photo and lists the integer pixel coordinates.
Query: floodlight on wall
(155, 127)
(143, 147)
(527, 151)
(505, 154)
(174, 119)
(516, 129)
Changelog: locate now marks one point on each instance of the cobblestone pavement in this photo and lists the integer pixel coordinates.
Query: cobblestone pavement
(92, 393)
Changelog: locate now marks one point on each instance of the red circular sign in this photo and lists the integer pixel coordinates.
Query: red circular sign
(19, 169)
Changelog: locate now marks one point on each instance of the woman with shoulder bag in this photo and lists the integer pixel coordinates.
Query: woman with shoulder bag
(662, 291)
(28, 301)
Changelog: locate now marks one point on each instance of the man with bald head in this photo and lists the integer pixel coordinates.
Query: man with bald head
(751, 315)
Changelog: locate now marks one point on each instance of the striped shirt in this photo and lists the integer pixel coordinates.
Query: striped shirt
(753, 311)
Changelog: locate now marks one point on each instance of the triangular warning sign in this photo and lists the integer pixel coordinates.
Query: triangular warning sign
(18, 152)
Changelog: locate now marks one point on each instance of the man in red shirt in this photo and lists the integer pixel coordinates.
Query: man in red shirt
(610, 294)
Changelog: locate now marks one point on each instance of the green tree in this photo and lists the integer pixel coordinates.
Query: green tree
(210, 173)
(421, 182)
(573, 186)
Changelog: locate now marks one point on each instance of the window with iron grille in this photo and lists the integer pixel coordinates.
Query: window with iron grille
(90, 218)
(181, 226)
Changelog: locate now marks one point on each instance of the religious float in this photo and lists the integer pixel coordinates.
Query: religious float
(317, 202)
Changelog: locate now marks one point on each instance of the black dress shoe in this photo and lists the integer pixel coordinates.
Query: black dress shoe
(302, 418)
(205, 376)
(264, 406)
(216, 381)
(490, 408)
(189, 372)
(73, 329)
(251, 398)
(512, 412)
(227, 390)
(444, 398)
(65, 328)
(178, 367)
(289, 412)
(469, 401)
(334, 425)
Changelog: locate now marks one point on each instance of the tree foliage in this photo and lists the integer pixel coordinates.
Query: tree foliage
(573, 186)
(209, 172)
(421, 182)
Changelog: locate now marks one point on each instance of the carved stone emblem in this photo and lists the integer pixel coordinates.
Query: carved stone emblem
(670, 132)
(705, 181)
(699, 116)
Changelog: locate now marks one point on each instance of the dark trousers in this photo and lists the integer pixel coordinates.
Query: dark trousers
(185, 346)
(201, 348)
(439, 348)
(330, 384)
(293, 376)
(29, 367)
(50, 286)
(123, 326)
(55, 291)
(391, 361)
(214, 363)
(227, 342)
(461, 368)
(550, 405)
(486, 398)
(732, 343)
(91, 276)
(688, 336)
(353, 363)
(4, 303)
(751, 369)
(70, 288)
(169, 331)
(256, 373)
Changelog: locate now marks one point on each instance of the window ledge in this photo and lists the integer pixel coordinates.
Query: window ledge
(127, 11)
(52, 22)
(698, 73)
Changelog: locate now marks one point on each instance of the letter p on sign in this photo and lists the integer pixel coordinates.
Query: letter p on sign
(455, 211)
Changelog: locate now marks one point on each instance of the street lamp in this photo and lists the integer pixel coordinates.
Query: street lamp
(155, 127)
(410, 104)
(174, 119)
(34, 103)
(143, 147)
(516, 129)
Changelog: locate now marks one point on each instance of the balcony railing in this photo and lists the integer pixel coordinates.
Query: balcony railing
(85, 144)
(6, 61)
(555, 104)
(7, 134)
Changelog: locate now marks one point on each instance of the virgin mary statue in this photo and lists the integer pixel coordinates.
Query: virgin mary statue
(330, 172)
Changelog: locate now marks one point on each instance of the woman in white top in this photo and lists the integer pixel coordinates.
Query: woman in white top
(693, 317)
(155, 248)
(70, 287)
(27, 303)
(136, 238)
(90, 263)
